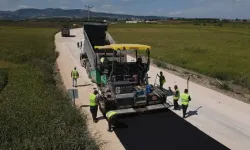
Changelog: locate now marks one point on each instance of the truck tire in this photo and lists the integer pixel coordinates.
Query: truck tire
(82, 63)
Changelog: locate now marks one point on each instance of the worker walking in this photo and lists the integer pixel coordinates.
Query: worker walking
(93, 105)
(161, 79)
(111, 117)
(176, 94)
(74, 76)
(185, 98)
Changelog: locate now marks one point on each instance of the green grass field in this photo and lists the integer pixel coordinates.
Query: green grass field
(34, 114)
(221, 52)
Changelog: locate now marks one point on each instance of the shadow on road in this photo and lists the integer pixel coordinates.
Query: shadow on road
(167, 92)
(84, 106)
(162, 131)
(72, 36)
(84, 85)
(193, 112)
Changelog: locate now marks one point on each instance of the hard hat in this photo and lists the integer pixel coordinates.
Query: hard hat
(95, 92)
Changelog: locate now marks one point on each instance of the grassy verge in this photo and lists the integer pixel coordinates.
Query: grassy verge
(33, 112)
(217, 51)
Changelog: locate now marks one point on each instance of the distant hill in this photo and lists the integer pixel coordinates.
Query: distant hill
(30, 13)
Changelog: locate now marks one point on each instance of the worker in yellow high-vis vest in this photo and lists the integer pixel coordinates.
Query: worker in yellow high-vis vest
(111, 117)
(185, 98)
(162, 79)
(93, 105)
(74, 76)
(176, 98)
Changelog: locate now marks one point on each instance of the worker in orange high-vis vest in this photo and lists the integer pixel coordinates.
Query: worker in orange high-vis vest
(185, 98)
(74, 76)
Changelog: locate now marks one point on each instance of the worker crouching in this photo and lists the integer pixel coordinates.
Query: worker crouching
(111, 117)
(93, 105)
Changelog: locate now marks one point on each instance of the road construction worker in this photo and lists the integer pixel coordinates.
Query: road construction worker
(161, 79)
(111, 117)
(102, 63)
(102, 60)
(74, 76)
(176, 97)
(93, 105)
(185, 98)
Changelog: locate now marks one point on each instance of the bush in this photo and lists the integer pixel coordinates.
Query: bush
(225, 86)
(34, 114)
(3, 78)
(160, 64)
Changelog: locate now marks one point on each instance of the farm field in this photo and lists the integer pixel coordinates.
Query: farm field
(34, 114)
(220, 52)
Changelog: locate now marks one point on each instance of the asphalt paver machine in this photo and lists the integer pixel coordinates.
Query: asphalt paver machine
(123, 85)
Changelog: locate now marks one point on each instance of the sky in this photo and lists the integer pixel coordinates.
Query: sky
(172, 8)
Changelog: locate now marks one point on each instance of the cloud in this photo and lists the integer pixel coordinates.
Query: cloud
(160, 9)
(175, 13)
(92, 1)
(119, 12)
(64, 1)
(9, 4)
(218, 8)
(23, 6)
(94, 9)
(126, 0)
(106, 6)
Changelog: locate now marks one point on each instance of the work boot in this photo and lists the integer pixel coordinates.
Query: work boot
(109, 130)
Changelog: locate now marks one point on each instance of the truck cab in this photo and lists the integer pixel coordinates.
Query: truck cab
(65, 31)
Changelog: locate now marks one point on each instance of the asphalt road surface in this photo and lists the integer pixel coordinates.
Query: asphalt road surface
(214, 118)
(161, 131)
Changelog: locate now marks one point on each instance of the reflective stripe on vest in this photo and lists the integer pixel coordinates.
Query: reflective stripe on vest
(184, 99)
(177, 97)
(92, 101)
(75, 74)
(102, 60)
(110, 114)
